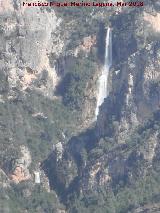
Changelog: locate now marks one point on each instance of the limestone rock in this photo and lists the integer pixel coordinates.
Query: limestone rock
(21, 166)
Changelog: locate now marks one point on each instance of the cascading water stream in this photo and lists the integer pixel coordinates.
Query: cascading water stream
(103, 79)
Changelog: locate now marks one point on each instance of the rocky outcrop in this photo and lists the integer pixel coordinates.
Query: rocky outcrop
(31, 46)
(134, 92)
(95, 176)
(87, 44)
(123, 158)
(153, 21)
(21, 166)
(114, 154)
(150, 208)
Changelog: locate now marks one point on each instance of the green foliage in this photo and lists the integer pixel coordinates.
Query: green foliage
(144, 191)
(96, 153)
(106, 144)
(19, 126)
(126, 194)
(38, 200)
(74, 83)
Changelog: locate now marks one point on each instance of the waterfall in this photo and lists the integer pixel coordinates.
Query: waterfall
(103, 79)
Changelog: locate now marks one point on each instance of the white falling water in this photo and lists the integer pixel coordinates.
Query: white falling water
(103, 79)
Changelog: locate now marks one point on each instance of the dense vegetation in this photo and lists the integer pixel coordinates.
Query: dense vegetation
(122, 196)
(22, 198)
(73, 85)
(38, 122)
(125, 192)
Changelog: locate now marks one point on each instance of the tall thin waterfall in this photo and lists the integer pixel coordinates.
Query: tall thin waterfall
(103, 79)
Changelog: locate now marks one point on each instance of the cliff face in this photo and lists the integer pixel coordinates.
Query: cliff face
(120, 152)
(27, 35)
(51, 149)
